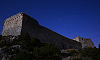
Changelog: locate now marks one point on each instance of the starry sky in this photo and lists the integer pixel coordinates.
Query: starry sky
(70, 18)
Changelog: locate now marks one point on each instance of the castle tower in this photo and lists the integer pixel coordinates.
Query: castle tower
(13, 25)
(21, 23)
(86, 42)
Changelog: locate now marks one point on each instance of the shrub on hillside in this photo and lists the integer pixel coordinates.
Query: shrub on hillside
(93, 53)
(35, 42)
(23, 55)
(26, 37)
(44, 52)
(0, 37)
(48, 52)
(73, 52)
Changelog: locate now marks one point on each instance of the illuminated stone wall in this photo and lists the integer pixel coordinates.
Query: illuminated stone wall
(13, 25)
(86, 42)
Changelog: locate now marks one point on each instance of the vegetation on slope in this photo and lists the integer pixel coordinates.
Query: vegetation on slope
(87, 53)
(33, 48)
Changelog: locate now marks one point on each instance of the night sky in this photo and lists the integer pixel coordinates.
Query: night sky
(70, 18)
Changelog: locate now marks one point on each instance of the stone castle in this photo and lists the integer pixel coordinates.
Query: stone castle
(21, 23)
(86, 42)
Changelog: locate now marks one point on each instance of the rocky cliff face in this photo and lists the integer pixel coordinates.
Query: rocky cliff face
(86, 42)
(24, 23)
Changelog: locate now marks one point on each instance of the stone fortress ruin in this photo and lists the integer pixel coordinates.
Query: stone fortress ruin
(86, 42)
(12, 25)
(21, 23)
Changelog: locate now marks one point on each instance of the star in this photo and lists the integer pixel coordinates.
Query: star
(59, 20)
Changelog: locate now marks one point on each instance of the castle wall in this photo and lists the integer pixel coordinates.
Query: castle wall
(12, 25)
(46, 35)
(23, 23)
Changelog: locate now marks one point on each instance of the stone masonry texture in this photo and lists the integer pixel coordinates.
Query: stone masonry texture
(21, 23)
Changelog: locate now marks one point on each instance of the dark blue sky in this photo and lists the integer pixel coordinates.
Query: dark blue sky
(70, 18)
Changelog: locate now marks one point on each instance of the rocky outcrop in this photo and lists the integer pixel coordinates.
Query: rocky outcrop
(6, 51)
(21, 23)
(86, 42)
